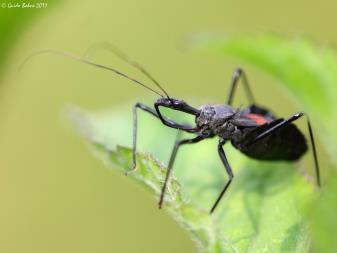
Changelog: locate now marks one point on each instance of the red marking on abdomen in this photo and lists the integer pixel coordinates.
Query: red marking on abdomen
(259, 119)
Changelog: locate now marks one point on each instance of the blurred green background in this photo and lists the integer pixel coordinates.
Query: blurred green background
(55, 196)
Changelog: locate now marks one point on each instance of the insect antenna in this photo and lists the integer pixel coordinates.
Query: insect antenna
(88, 62)
(121, 55)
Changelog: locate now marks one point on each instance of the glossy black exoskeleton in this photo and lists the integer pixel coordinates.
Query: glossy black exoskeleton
(254, 130)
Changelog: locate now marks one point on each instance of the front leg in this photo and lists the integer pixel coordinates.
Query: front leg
(135, 126)
(178, 105)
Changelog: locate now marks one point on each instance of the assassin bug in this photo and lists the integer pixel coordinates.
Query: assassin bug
(254, 130)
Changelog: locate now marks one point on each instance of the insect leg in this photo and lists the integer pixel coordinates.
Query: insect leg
(228, 170)
(312, 140)
(172, 159)
(178, 105)
(313, 146)
(152, 112)
(236, 76)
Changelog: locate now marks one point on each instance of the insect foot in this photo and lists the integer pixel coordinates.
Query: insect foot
(134, 169)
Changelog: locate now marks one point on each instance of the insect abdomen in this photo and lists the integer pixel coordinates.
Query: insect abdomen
(287, 143)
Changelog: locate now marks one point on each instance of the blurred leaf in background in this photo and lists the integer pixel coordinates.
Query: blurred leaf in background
(307, 70)
(323, 218)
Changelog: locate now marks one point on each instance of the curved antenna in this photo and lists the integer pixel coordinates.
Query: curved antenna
(85, 61)
(121, 55)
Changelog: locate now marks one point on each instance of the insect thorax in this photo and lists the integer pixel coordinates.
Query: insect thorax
(216, 120)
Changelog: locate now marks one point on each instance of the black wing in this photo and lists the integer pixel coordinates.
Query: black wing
(287, 143)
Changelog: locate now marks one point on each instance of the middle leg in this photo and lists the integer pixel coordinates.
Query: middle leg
(239, 73)
(228, 170)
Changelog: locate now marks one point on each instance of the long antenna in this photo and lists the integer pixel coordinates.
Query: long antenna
(120, 54)
(88, 62)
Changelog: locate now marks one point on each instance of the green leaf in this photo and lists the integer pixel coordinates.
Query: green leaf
(310, 74)
(262, 211)
(323, 218)
(307, 70)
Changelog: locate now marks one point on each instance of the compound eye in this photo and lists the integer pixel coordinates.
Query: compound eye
(173, 101)
(179, 102)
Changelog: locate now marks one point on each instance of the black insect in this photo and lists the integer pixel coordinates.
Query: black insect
(254, 130)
